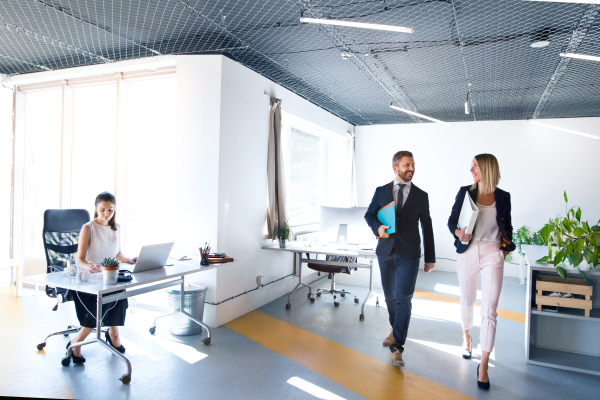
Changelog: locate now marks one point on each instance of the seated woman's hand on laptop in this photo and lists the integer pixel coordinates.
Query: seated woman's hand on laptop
(133, 260)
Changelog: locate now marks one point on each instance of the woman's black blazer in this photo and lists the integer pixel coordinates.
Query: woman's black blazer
(502, 217)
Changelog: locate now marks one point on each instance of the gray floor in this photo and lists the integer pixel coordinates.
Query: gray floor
(236, 367)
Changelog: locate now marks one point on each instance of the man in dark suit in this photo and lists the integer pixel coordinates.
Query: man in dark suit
(399, 253)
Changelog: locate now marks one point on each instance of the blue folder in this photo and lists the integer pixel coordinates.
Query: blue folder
(387, 216)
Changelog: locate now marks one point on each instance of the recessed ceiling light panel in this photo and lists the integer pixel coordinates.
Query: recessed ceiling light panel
(357, 24)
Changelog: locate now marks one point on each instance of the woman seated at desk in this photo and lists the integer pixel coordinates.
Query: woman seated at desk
(99, 239)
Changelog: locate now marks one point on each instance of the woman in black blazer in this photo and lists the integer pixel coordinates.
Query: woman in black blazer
(483, 255)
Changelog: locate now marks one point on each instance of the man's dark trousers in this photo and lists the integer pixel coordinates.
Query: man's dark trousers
(398, 278)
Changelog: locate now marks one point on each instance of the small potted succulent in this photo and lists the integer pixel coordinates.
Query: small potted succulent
(282, 232)
(110, 270)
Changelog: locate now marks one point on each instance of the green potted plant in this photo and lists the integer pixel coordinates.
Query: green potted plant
(530, 244)
(282, 232)
(569, 239)
(110, 270)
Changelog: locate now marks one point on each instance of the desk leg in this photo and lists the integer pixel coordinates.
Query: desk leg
(289, 305)
(371, 292)
(181, 310)
(67, 360)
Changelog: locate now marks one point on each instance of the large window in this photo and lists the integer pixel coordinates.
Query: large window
(94, 135)
(42, 167)
(107, 137)
(318, 169)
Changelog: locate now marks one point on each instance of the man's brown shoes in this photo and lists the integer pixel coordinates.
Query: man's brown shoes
(387, 342)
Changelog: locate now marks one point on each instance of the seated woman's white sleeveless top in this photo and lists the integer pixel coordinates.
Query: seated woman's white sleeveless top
(104, 242)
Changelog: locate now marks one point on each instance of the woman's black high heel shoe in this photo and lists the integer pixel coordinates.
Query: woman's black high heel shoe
(120, 349)
(482, 385)
(76, 360)
(467, 354)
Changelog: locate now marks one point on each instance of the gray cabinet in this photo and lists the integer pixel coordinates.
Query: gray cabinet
(565, 339)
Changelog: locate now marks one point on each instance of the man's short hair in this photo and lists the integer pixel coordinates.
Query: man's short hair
(398, 156)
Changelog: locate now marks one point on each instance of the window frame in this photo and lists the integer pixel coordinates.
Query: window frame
(289, 121)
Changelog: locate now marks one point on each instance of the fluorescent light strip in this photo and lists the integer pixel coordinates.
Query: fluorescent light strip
(357, 25)
(580, 56)
(563, 129)
(421, 115)
(571, 1)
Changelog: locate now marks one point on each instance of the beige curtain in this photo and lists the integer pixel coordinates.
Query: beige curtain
(275, 172)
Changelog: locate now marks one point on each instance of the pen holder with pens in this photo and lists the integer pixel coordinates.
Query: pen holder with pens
(204, 252)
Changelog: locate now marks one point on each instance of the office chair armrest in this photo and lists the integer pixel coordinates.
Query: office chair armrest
(56, 268)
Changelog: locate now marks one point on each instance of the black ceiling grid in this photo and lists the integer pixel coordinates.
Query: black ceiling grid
(479, 48)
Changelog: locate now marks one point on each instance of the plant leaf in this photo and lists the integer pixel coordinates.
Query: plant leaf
(561, 271)
(588, 256)
(584, 277)
(595, 256)
(567, 225)
(578, 214)
(543, 259)
(566, 198)
(579, 245)
(546, 232)
(578, 232)
(595, 228)
(558, 257)
(578, 258)
(569, 249)
(585, 226)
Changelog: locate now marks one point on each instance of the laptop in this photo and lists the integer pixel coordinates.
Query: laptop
(152, 257)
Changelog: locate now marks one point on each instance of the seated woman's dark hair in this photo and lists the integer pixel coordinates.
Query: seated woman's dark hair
(110, 198)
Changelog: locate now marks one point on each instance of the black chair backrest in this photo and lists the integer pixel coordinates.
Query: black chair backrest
(61, 234)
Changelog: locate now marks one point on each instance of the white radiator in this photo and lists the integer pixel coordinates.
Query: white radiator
(34, 267)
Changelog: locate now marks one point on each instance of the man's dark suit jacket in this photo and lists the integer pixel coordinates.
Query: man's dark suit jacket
(406, 238)
(503, 218)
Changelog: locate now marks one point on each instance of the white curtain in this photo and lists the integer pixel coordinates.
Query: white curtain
(276, 210)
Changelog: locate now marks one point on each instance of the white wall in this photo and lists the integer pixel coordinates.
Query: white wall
(222, 134)
(243, 187)
(6, 104)
(537, 164)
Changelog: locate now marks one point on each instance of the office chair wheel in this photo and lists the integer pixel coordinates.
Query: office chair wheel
(288, 306)
(125, 379)
(356, 300)
(65, 361)
(343, 294)
(206, 341)
(361, 317)
(335, 303)
(41, 346)
(152, 330)
(312, 299)
(318, 294)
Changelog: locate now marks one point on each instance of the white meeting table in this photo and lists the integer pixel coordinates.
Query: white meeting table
(142, 282)
(330, 249)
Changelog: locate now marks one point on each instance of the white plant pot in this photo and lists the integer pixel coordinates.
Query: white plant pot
(535, 252)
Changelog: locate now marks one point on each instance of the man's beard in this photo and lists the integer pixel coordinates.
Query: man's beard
(404, 177)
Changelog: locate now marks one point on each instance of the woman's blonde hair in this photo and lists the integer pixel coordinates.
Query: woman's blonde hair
(489, 173)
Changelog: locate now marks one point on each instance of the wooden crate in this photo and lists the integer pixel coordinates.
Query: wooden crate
(550, 283)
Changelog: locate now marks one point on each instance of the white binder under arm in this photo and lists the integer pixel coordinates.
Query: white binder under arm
(468, 215)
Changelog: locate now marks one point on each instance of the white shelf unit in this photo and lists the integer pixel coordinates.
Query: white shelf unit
(565, 339)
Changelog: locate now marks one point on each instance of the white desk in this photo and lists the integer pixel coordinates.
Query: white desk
(366, 251)
(142, 282)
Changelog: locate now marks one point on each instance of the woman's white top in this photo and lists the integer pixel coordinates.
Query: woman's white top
(486, 227)
(104, 242)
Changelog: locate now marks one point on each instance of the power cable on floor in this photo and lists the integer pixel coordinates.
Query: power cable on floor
(247, 291)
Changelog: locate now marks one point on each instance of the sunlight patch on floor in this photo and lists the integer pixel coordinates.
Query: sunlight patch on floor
(169, 343)
(313, 389)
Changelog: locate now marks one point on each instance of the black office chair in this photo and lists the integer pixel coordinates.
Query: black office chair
(61, 240)
(331, 268)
